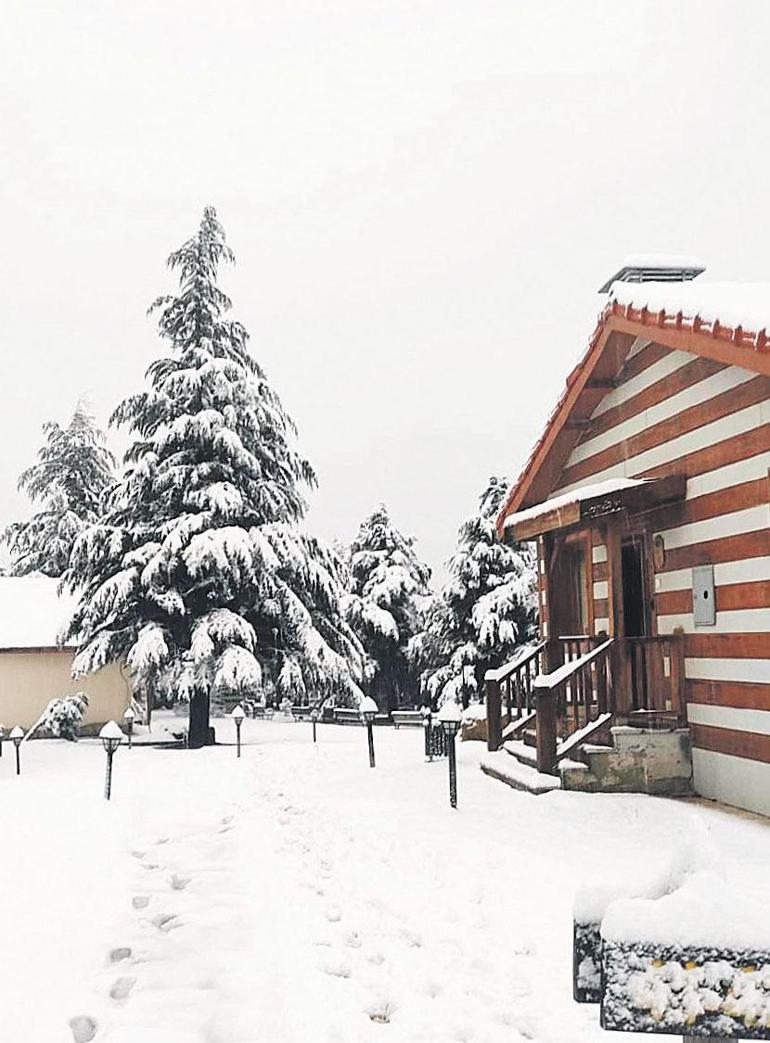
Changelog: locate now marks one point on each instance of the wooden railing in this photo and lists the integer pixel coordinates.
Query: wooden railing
(656, 674)
(574, 694)
(512, 686)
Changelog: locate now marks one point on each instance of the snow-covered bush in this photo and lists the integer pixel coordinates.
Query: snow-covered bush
(62, 717)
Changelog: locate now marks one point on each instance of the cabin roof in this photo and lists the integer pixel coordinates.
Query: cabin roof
(728, 322)
(32, 612)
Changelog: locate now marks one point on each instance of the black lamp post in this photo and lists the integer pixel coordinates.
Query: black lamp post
(237, 715)
(314, 721)
(111, 736)
(449, 717)
(17, 734)
(427, 723)
(368, 713)
(2, 736)
(129, 717)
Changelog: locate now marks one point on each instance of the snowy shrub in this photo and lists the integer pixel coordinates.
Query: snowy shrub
(62, 717)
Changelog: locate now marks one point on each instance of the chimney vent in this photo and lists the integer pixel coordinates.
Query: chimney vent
(655, 268)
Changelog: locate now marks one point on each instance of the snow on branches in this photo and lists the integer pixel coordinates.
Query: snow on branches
(386, 582)
(484, 612)
(73, 471)
(196, 573)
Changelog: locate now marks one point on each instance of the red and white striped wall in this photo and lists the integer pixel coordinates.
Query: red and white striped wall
(674, 412)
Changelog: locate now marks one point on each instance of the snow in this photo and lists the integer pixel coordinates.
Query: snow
(731, 303)
(707, 909)
(296, 894)
(586, 492)
(32, 613)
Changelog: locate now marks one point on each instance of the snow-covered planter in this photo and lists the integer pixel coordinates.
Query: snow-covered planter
(695, 962)
(62, 717)
(474, 723)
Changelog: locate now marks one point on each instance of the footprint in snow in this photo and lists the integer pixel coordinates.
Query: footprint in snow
(138, 854)
(353, 940)
(162, 840)
(179, 883)
(227, 820)
(149, 865)
(333, 915)
(123, 952)
(140, 901)
(83, 1028)
(166, 921)
(337, 969)
(121, 988)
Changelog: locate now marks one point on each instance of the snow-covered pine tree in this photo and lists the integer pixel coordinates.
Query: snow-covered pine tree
(73, 470)
(386, 583)
(485, 610)
(197, 574)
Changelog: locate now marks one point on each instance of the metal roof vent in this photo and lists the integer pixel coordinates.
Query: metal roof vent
(655, 268)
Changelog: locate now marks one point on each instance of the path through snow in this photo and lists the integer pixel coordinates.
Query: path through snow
(297, 895)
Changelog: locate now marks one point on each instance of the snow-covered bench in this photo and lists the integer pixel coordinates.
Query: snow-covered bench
(406, 718)
(692, 960)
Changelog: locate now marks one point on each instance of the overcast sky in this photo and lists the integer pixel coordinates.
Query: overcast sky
(423, 198)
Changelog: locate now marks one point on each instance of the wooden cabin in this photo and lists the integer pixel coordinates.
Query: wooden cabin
(648, 496)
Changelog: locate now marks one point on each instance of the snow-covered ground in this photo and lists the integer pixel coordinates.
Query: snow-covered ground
(297, 895)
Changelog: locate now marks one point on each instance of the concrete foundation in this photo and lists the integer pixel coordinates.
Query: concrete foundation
(639, 761)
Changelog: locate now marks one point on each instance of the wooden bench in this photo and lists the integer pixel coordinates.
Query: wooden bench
(406, 718)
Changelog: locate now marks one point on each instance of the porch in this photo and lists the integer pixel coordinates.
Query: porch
(600, 699)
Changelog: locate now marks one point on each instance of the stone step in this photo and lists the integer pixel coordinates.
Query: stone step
(523, 753)
(519, 776)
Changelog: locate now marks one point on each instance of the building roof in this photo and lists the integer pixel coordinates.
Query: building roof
(32, 613)
(651, 267)
(727, 322)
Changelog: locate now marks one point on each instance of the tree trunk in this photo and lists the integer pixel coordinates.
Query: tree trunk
(199, 731)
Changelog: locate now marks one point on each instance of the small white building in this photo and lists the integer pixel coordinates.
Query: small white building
(35, 668)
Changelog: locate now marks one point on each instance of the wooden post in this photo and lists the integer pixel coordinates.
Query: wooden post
(678, 701)
(494, 722)
(545, 704)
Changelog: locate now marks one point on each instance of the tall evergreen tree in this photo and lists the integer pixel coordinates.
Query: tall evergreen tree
(73, 470)
(387, 580)
(197, 574)
(485, 610)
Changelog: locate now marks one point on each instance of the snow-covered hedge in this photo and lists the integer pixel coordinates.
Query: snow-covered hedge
(62, 717)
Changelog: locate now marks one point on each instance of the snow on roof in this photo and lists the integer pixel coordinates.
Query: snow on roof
(734, 304)
(586, 492)
(732, 311)
(32, 613)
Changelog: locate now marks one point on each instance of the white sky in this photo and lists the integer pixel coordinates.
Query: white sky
(423, 198)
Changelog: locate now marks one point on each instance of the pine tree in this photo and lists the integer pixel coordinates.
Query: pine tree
(197, 574)
(485, 610)
(387, 581)
(73, 470)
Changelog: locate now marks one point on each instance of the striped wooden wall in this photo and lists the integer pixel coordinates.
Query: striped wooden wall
(673, 412)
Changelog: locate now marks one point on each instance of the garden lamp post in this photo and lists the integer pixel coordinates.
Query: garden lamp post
(2, 736)
(368, 713)
(314, 720)
(111, 736)
(129, 717)
(427, 723)
(17, 734)
(449, 717)
(237, 715)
